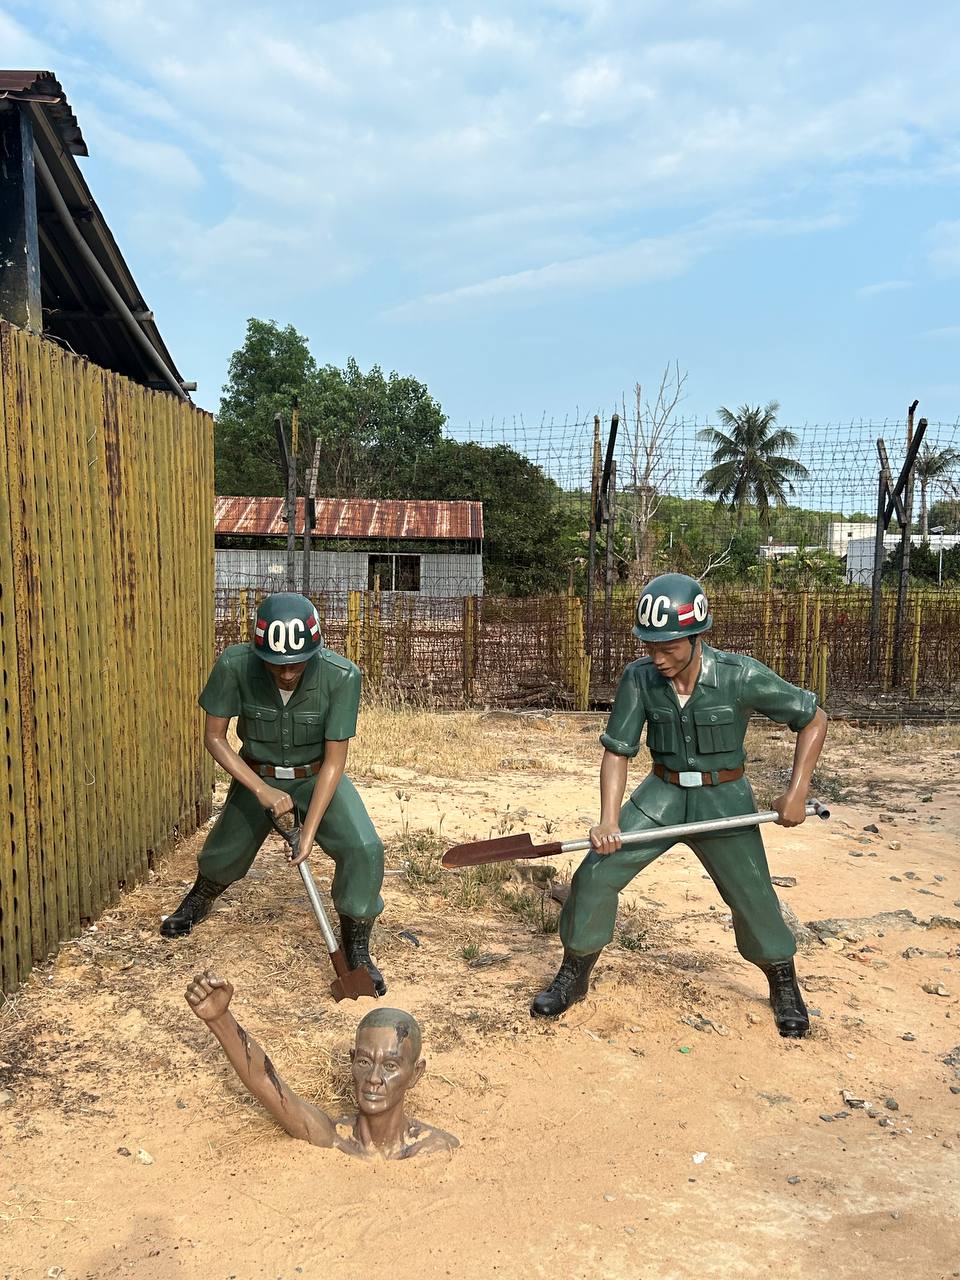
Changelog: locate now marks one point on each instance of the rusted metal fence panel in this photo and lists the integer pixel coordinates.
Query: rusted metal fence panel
(106, 634)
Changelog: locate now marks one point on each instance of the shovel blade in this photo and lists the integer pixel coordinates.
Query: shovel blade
(478, 852)
(353, 984)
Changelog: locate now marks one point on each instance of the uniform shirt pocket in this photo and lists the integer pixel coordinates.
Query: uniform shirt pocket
(716, 729)
(262, 724)
(661, 731)
(307, 727)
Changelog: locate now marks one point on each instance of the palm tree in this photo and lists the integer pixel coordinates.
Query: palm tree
(932, 466)
(749, 465)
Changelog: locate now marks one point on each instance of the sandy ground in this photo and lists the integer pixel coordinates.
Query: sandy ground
(623, 1141)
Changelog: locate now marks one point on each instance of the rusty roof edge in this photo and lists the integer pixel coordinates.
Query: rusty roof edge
(45, 90)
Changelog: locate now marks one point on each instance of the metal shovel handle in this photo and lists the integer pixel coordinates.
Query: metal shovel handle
(681, 830)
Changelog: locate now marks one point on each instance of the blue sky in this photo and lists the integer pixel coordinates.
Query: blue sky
(533, 206)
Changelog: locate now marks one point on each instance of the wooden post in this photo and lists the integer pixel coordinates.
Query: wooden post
(608, 576)
(877, 585)
(469, 647)
(19, 241)
(891, 610)
(767, 609)
(244, 614)
(900, 626)
(592, 542)
(309, 518)
(915, 670)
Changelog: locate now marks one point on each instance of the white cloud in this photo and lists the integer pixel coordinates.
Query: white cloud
(882, 286)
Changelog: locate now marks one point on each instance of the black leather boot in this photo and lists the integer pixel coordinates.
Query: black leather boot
(355, 939)
(569, 986)
(195, 907)
(786, 1000)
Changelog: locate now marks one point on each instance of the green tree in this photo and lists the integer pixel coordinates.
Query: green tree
(808, 567)
(373, 427)
(530, 539)
(933, 467)
(271, 367)
(749, 465)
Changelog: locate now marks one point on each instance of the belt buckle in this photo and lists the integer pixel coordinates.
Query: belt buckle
(688, 779)
(284, 771)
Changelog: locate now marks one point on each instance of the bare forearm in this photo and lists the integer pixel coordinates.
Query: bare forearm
(258, 1073)
(328, 779)
(229, 760)
(613, 784)
(807, 752)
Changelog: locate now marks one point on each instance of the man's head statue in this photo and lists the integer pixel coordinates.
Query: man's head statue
(386, 1059)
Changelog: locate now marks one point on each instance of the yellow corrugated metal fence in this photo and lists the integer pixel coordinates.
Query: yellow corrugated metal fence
(106, 635)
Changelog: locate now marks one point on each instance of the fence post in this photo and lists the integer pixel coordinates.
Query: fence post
(469, 647)
(372, 643)
(888, 654)
(244, 615)
(802, 646)
(915, 671)
(767, 609)
(822, 691)
(353, 645)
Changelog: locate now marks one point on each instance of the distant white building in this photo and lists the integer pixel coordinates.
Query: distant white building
(860, 552)
(840, 533)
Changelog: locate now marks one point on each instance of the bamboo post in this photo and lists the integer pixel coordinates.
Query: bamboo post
(353, 641)
(822, 674)
(815, 638)
(469, 647)
(611, 501)
(888, 637)
(583, 663)
(767, 609)
(915, 669)
(802, 646)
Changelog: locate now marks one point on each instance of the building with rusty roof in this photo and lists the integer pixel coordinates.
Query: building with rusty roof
(61, 271)
(432, 549)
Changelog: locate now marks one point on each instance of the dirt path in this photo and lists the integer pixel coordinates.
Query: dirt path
(621, 1142)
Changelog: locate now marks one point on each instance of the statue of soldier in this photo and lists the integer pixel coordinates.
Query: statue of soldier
(385, 1063)
(695, 703)
(297, 705)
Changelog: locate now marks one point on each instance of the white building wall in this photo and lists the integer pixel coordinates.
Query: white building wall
(840, 533)
(441, 574)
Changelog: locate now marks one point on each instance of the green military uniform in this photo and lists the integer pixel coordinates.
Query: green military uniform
(704, 736)
(323, 708)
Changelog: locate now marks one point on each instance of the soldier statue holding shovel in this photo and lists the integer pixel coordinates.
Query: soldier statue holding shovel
(695, 702)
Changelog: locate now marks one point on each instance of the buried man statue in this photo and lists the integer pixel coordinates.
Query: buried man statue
(695, 702)
(385, 1064)
(297, 705)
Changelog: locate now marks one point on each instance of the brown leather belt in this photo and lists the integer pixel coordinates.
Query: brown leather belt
(286, 772)
(706, 779)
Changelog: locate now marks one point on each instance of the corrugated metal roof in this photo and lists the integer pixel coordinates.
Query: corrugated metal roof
(44, 87)
(353, 518)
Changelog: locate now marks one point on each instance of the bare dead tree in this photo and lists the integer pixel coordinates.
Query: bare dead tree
(648, 441)
(716, 562)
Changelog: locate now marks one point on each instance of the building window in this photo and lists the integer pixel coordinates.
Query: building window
(396, 572)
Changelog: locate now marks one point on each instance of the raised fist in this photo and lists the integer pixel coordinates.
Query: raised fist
(209, 996)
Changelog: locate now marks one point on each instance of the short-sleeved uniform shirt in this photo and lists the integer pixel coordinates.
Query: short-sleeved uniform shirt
(324, 705)
(704, 736)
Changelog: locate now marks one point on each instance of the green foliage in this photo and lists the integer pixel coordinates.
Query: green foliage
(749, 465)
(382, 437)
(808, 567)
(924, 563)
(373, 427)
(529, 540)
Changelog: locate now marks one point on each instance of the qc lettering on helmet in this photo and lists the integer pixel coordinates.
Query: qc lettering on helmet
(653, 611)
(283, 637)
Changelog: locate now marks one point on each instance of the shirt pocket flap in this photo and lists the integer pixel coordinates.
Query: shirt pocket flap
(267, 715)
(713, 715)
(658, 716)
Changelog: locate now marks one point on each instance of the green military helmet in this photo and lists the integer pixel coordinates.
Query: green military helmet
(287, 629)
(672, 606)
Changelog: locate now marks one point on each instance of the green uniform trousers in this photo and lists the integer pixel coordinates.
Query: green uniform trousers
(345, 833)
(736, 863)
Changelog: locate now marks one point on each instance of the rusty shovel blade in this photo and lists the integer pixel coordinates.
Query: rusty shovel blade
(504, 849)
(349, 984)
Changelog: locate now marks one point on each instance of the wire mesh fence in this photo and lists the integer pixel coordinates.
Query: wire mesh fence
(501, 651)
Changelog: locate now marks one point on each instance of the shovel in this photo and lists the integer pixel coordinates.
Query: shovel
(349, 984)
(506, 848)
